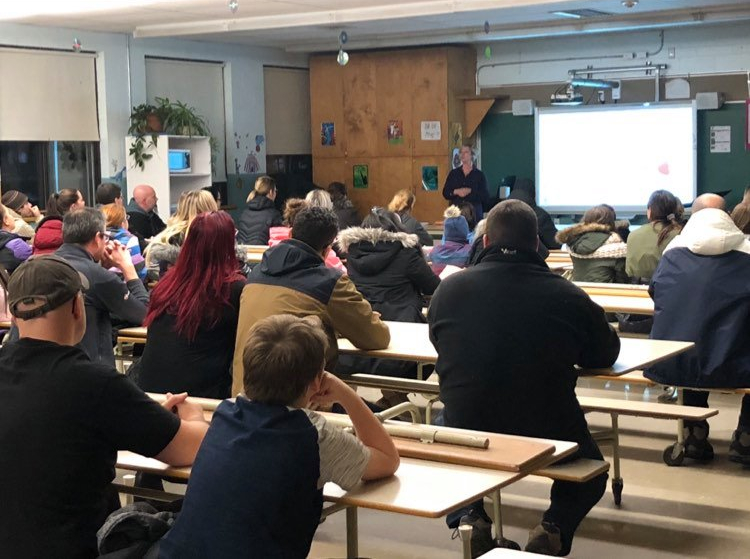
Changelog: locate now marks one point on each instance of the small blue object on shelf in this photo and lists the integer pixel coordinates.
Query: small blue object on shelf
(179, 161)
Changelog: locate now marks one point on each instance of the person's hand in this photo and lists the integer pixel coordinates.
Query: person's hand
(118, 255)
(178, 404)
(462, 192)
(332, 390)
(35, 211)
(377, 315)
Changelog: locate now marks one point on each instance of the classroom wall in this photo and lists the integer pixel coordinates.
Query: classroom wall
(698, 50)
(121, 72)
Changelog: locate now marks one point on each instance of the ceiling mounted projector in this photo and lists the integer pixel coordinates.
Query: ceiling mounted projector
(570, 97)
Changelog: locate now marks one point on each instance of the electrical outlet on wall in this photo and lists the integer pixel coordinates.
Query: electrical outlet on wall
(671, 52)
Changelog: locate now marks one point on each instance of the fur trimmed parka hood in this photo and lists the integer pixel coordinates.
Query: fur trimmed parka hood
(352, 235)
(593, 240)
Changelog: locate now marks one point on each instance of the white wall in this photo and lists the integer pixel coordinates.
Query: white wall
(121, 74)
(698, 50)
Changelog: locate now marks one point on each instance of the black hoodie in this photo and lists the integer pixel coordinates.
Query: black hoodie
(525, 191)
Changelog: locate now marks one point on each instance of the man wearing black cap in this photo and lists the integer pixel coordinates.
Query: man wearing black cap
(65, 418)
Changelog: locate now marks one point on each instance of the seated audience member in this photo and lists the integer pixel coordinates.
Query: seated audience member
(342, 205)
(282, 232)
(117, 229)
(646, 244)
(597, 251)
(402, 204)
(109, 193)
(700, 292)
(19, 207)
(257, 484)
(49, 233)
(78, 414)
(144, 222)
(741, 217)
(467, 210)
(88, 249)
(318, 197)
(525, 191)
(292, 279)
(455, 249)
(478, 245)
(260, 214)
(387, 266)
(163, 250)
(13, 249)
(192, 317)
(512, 305)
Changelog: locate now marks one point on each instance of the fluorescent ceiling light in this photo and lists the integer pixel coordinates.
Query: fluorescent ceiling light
(11, 9)
(571, 15)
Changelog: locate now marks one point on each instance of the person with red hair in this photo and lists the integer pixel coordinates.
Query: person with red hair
(192, 316)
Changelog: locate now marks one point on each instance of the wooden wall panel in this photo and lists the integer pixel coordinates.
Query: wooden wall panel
(387, 175)
(394, 102)
(462, 65)
(430, 204)
(360, 106)
(326, 104)
(429, 94)
(329, 169)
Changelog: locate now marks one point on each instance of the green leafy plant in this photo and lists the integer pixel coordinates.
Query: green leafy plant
(170, 117)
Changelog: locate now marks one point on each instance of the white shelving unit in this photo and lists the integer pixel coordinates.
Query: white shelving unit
(169, 186)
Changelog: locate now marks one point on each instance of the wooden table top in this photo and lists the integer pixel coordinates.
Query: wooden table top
(624, 304)
(427, 488)
(623, 289)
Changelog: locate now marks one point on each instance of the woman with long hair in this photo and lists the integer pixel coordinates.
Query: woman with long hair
(163, 250)
(49, 237)
(260, 214)
(647, 243)
(596, 249)
(402, 204)
(192, 316)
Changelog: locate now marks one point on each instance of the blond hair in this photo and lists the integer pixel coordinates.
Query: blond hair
(114, 214)
(263, 187)
(191, 203)
(319, 198)
(402, 201)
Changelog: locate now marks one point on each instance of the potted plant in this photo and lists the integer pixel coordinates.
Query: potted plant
(182, 119)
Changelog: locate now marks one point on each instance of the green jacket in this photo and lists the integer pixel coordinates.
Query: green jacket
(597, 252)
(644, 252)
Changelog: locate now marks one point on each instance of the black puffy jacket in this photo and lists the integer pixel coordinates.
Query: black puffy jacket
(525, 191)
(393, 275)
(256, 219)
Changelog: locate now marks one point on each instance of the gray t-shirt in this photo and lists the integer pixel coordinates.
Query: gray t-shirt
(343, 457)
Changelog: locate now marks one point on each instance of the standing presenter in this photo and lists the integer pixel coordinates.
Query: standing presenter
(467, 184)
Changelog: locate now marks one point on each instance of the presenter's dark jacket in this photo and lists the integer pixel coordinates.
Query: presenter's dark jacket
(479, 195)
(701, 292)
(509, 333)
(293, 279)
(143, 224)
(525, 191)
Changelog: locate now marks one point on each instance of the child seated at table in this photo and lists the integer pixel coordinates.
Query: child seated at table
(256, 486)
(456, 246)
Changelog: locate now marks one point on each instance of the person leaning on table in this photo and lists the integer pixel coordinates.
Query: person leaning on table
(528, 329)
(65, 417)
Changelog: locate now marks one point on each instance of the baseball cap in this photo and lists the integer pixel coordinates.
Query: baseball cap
(48, 281)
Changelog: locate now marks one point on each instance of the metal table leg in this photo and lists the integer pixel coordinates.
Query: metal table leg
(352, 533)
(617, 482)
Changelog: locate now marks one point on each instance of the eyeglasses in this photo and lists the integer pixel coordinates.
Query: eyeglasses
(105, 236)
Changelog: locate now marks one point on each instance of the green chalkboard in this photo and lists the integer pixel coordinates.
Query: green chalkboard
(508, 149)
